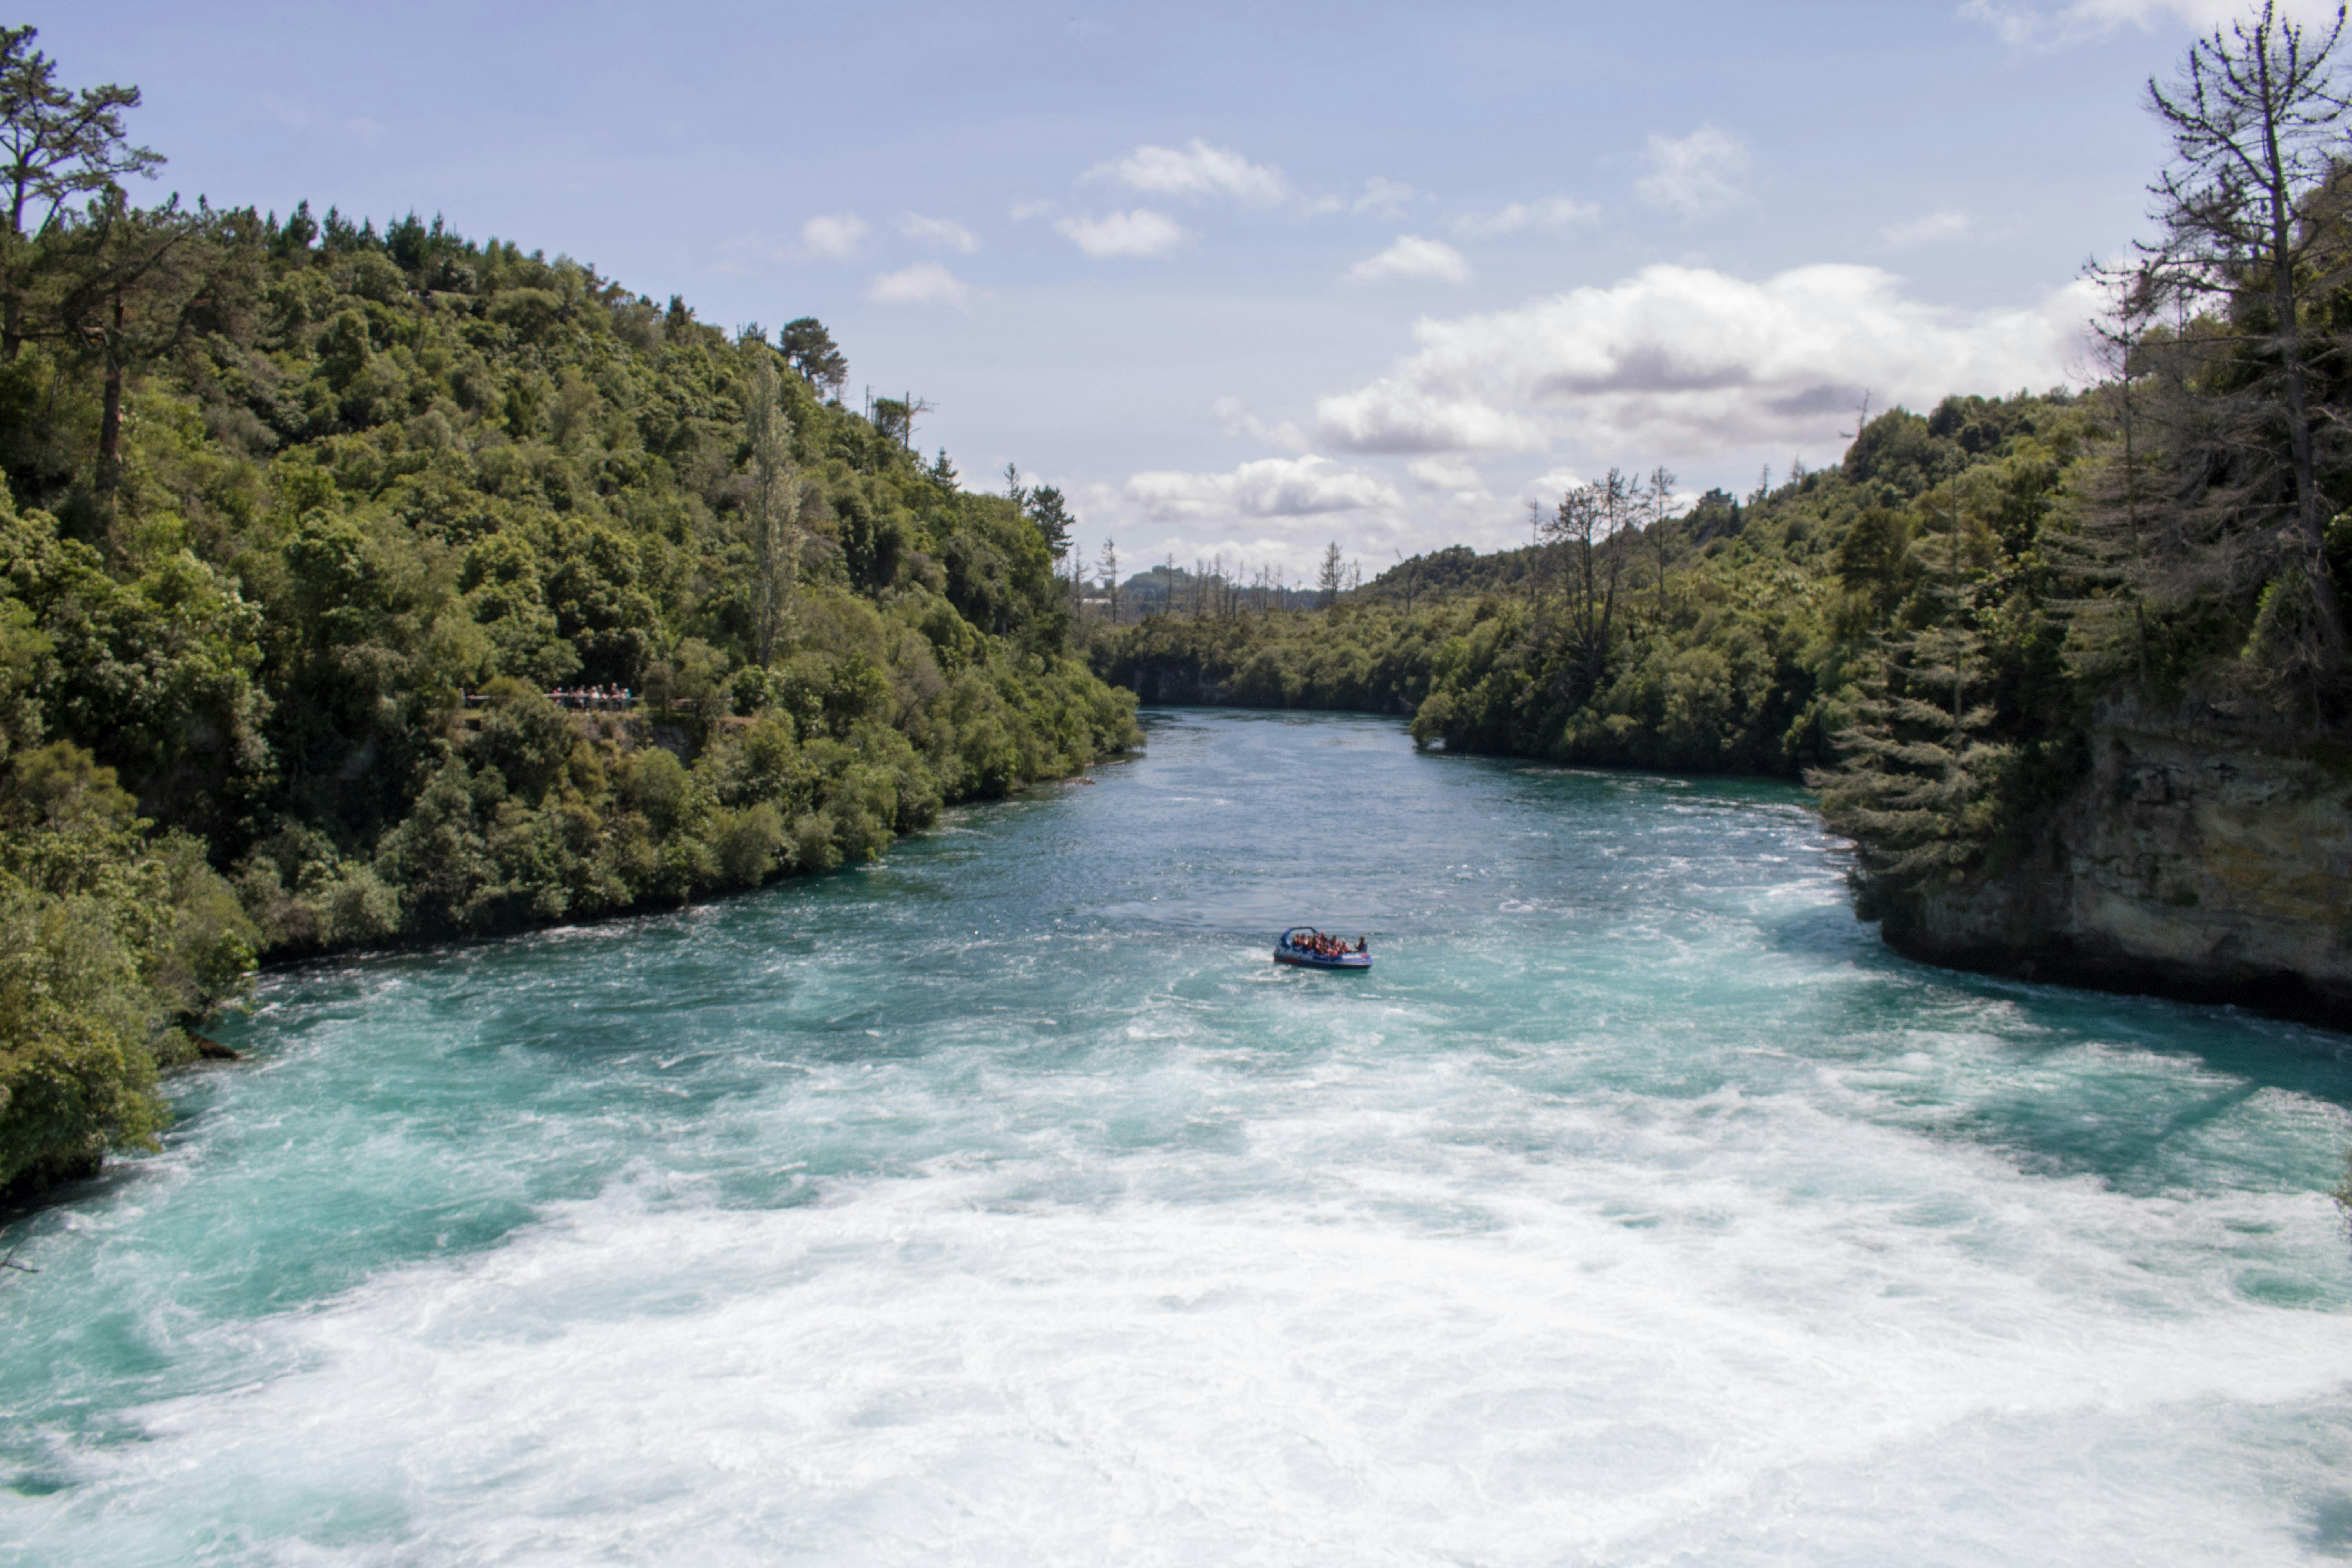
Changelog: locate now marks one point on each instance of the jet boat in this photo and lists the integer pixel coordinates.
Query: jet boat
(1298, 946)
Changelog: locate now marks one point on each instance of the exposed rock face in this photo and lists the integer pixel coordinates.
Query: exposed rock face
(2177, 868)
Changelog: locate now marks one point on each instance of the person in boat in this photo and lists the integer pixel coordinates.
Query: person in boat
(1359, 945)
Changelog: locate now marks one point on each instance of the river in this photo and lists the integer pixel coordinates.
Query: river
(1002, 1203)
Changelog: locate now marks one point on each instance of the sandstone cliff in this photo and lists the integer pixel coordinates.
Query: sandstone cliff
(2177, 867)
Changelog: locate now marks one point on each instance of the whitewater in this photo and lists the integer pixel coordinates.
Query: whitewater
(1002, 1203)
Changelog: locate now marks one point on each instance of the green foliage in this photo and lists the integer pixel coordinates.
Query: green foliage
(290, 581)
(1768, 639)
(111, 935)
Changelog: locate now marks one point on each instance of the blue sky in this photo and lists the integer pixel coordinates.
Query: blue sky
(1246, 279)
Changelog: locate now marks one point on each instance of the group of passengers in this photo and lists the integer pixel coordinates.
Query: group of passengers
(1322, 946)
(594, 697)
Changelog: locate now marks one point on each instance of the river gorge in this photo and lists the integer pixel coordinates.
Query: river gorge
(1001, 1202)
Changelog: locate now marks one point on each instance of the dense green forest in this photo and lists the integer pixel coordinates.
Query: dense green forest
(1930, 631)
(304, 520)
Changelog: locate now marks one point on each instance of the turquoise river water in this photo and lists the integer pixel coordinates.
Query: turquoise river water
(1002, 1203)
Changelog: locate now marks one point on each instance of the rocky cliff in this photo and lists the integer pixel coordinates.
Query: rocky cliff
(2178, 866)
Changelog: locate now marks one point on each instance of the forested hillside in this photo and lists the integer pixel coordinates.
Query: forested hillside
(1726, 635)
(304, 520)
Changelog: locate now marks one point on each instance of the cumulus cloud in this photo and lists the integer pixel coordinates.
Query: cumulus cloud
(1239, 421)
(1552, 212)
(1413, 256)
(1692, 360)
(1393, 414)
(836, 237)
(1935, 229)
(1548, 487)
(939, 233)
(1195, 170)
(2029, 25)
(1384, 199)
(1269, 487)
(1138, 233)
(924, 283)
(1443, 474)
(1695, 174)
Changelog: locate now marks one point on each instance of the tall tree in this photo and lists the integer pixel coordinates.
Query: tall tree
(1051, 514)
(132, 284)
(1657, 502)
(1919, 777)
(1588, 528)
(811, 351)
(1332, 576)
(2258, 117)
(1111, 575)
(777, 489)
(56, 146)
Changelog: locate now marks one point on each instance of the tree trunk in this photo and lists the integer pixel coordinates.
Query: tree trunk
(109, 422)
(2309, 536)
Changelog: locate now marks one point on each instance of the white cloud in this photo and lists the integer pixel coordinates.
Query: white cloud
(1138, 233)
(1267, 488)
(939, 233)
(1935, 229)
(1384, 199)
(1686, 361)
(924, 283)
(1695, 174)
(2029, 25)
(1444, 474)
(836, 237)
(1552, 212)
(1394, 415)
(1546, 488)
(1022, 212)
(1413, 256)
(1239, 421)
(1195, 170)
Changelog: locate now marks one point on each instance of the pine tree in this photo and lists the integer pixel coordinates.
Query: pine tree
(1919, 783)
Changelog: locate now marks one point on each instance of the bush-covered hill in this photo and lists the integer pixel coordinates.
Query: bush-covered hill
(303, 521)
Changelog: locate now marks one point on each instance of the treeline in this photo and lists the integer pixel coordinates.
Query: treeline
(304, 520)
(1722, 636)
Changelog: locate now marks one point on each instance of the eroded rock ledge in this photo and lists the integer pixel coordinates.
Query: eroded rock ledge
(2178, 867)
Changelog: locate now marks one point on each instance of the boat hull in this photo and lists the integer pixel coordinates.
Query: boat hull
(1315, 960)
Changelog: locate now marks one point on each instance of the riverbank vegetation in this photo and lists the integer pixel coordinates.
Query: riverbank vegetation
(1733, 635)
(305, 518)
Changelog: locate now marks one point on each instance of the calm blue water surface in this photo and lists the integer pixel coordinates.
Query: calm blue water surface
(1002, 1203)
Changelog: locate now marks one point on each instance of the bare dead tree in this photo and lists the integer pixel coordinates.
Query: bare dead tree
(1656, 496)
(2258, 117)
